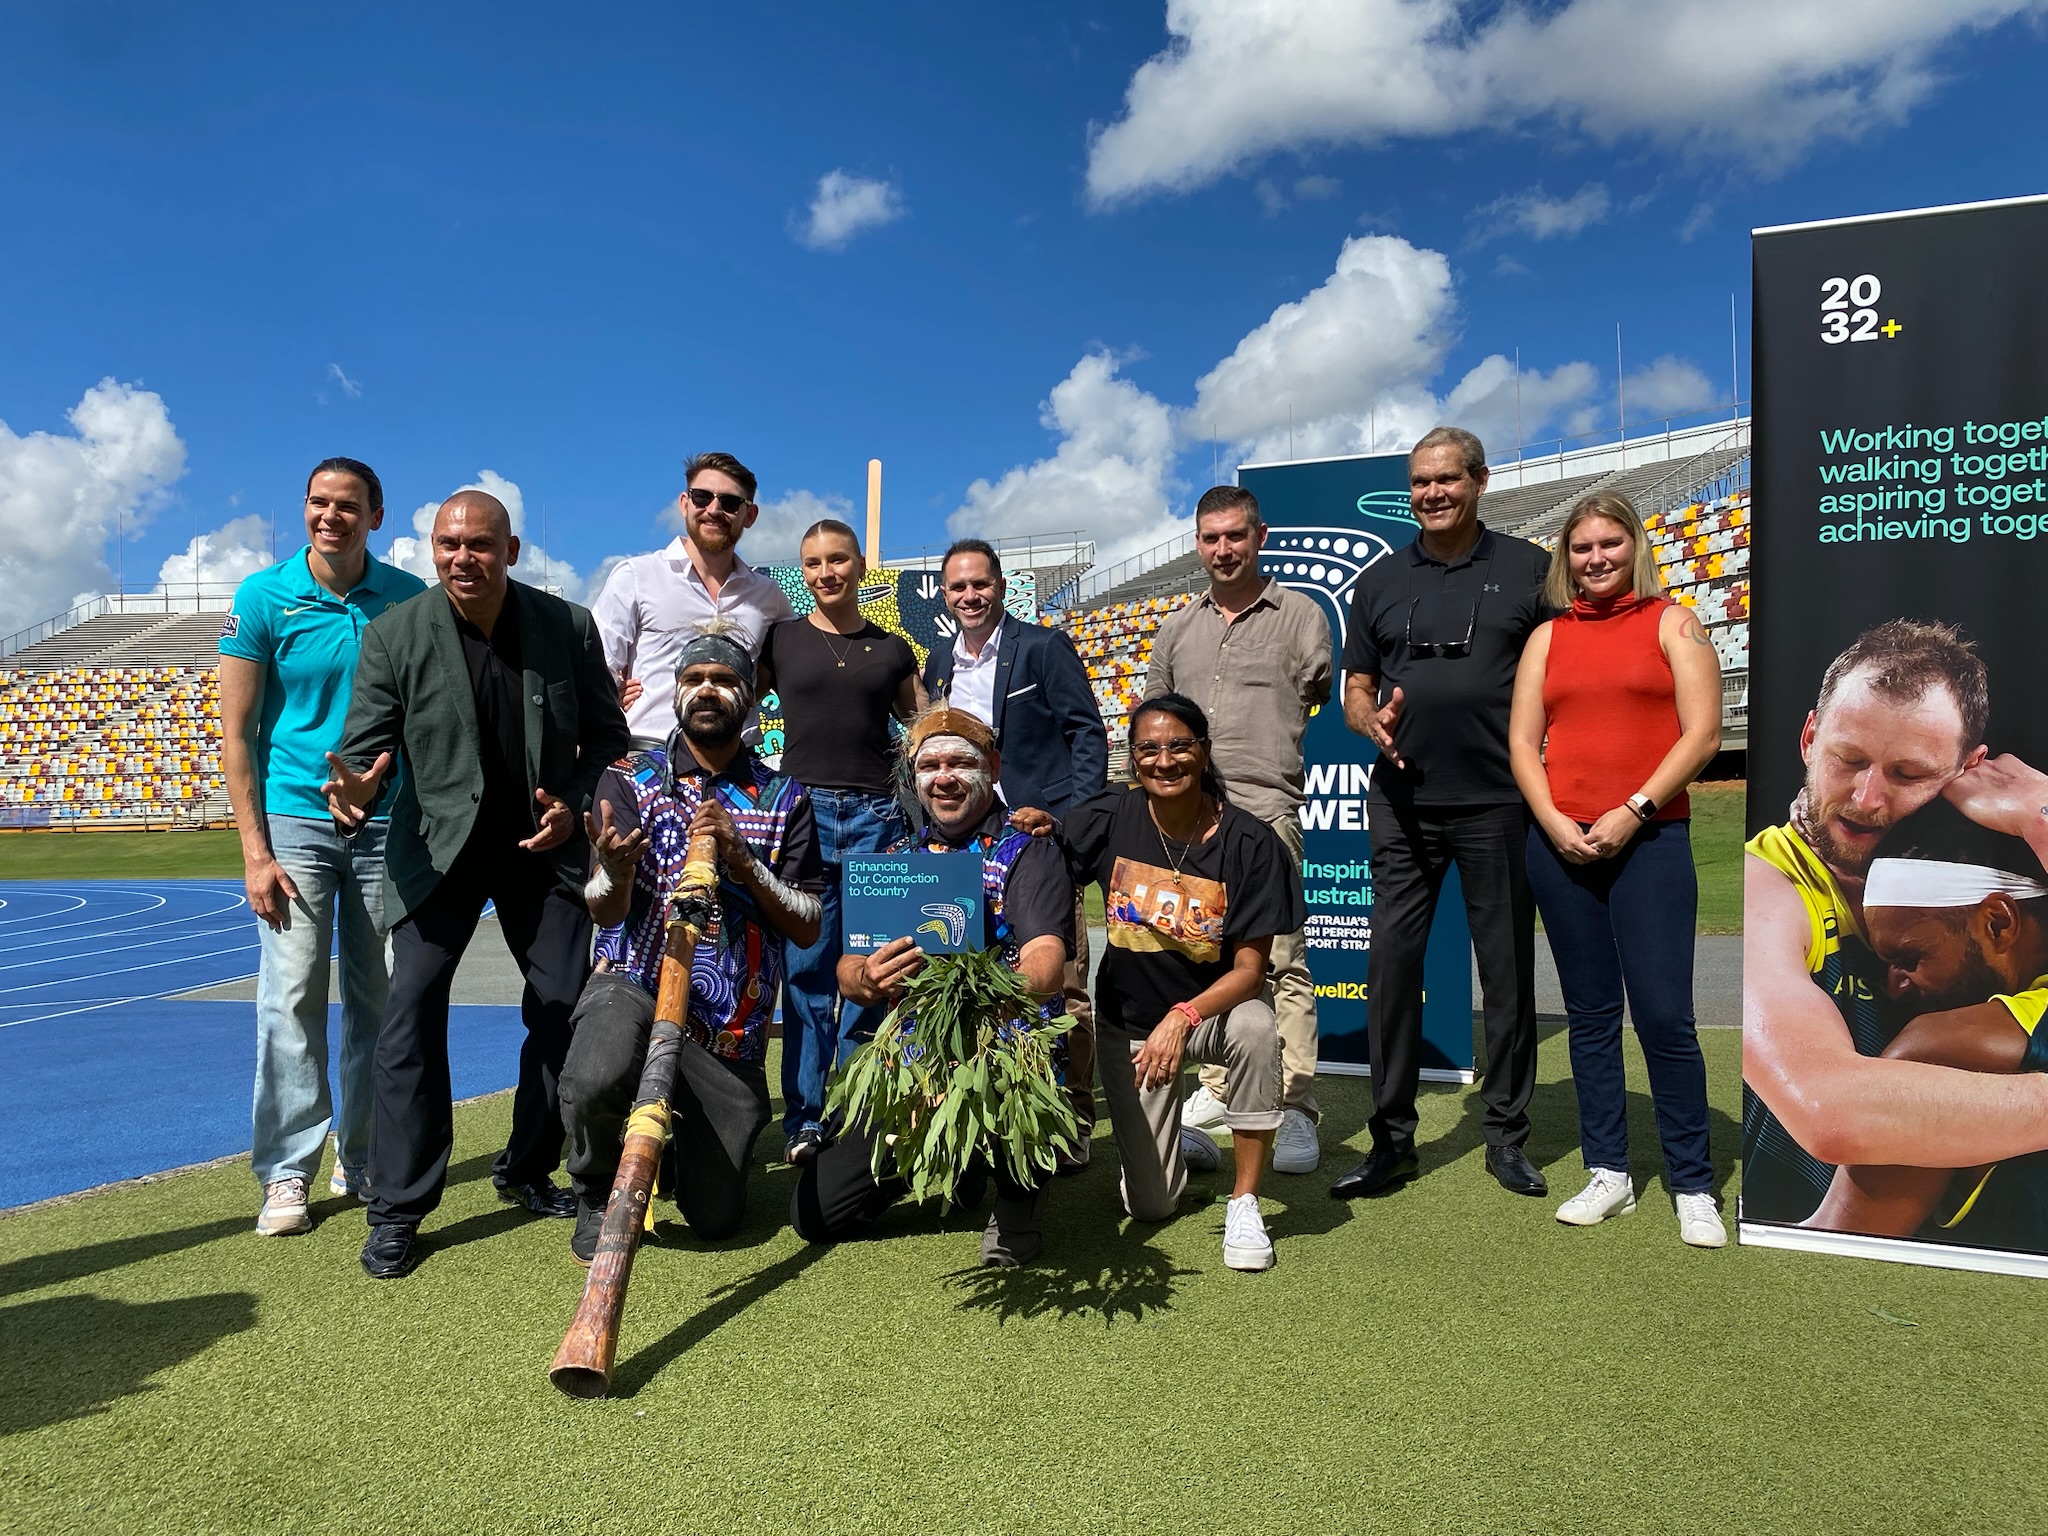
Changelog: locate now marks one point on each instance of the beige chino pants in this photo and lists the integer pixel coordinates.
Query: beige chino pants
(1244, 1044)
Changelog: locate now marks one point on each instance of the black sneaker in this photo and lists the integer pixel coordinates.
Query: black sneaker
(540, 1197)
(583, 1241)
(806, 1144)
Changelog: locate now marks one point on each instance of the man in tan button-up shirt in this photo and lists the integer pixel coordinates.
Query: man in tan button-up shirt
(1256, 656)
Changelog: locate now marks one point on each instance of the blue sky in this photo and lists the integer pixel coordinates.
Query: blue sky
(572, 250)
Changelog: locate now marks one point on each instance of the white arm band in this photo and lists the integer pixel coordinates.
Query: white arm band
(599, 885)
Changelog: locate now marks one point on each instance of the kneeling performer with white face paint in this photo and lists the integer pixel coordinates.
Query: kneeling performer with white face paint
(646, 808)
(1029, 912)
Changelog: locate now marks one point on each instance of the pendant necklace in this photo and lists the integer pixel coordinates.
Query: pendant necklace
(1187, 849)
(840, 656)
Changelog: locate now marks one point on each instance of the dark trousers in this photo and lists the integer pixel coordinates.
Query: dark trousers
(717, 1108)
(838, 1196)
(547, 929)
(1625, 925)
(1413, 848)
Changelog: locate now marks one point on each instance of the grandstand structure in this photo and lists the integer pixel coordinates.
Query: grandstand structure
(1691, 487)
(110, 714)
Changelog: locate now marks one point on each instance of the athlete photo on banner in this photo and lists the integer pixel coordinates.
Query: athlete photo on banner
(1895, 940)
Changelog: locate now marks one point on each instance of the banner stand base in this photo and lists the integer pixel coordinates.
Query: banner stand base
(1895, 1250)
(1465, 1075)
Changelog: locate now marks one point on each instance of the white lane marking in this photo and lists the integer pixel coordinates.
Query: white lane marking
(82, 941)
(36, 917)
(129, 970)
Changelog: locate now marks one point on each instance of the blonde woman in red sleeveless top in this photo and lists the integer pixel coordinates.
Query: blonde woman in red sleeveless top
(1617, 706)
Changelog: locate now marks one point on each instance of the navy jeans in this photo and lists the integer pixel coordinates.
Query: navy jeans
(813, 1023)
(1619, 925)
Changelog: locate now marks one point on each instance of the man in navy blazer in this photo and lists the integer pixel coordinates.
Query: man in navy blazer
(1027, 682)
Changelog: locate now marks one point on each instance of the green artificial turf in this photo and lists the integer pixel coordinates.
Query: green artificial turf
(210, 855)
(1445, 1359)
(1717, 838)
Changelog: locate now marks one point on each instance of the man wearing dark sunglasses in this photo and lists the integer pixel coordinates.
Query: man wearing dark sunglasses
(1435, 634)
(653, 603)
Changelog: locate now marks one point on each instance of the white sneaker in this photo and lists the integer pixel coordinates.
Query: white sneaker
(1608, 1193)
(1198, 1151)
(1295, 1149)
(1699, 1224)
(1204, 1111)
(1245, 1244)
(284, 1210)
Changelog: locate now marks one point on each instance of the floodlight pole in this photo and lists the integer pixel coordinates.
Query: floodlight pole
(875, 510)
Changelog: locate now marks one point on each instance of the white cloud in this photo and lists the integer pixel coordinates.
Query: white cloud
(1110, 476)
(777, 531)
(62, 497)
(222, 557)
(1697, 222)
(1382, 319)
(1317, 189)
(844, 206)
(349, 386)
(536, 566)
(1760, 81)
(1270, 197)
(1670, 386)
(1538, 215)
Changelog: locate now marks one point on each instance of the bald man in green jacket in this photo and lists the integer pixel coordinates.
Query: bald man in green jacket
(497, 698)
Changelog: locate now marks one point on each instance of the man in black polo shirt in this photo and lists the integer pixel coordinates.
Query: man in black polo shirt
(1436, 632)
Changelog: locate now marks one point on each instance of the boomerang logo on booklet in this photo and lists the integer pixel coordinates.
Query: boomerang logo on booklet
(934, 898)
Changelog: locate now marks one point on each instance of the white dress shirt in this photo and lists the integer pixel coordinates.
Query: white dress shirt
(652, 603)
(974, 678)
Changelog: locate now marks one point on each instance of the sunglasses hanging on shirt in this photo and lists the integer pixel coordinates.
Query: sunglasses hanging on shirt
(1450, 649)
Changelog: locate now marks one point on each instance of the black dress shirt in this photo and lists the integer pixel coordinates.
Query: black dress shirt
(497, 677)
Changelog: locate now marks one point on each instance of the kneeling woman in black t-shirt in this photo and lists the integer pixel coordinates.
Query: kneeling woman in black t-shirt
(1194, 890)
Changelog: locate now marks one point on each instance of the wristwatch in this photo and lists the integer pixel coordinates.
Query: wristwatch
(1642, 805)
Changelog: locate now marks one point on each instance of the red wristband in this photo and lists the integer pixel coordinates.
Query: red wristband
(1189, 1012)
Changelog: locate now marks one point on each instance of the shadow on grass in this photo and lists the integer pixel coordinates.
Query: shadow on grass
(723, 1305)
(41, 1269)
(1096, 1263)
(1554, 1136)
(72, 1356)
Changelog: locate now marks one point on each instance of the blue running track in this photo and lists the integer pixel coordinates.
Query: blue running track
(104, 1075)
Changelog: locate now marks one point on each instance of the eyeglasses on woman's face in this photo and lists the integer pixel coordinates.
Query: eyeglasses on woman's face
(1179, 748)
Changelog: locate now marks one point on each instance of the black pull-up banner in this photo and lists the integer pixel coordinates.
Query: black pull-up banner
(1896, 923)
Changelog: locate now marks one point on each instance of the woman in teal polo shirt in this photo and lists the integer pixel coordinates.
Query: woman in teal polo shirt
(287, 659)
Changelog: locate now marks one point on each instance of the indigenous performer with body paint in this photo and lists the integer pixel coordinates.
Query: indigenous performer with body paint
(647, 807)
(1029, 912)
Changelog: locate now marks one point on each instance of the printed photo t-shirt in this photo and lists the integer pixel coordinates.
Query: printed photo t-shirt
(1172, 930)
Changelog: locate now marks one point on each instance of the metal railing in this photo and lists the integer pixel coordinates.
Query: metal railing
(1103, 578)
(191, 597)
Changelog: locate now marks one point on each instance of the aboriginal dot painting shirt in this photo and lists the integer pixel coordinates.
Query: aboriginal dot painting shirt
(736, 969)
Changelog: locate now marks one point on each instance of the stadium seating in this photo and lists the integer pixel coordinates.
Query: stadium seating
(111, 745)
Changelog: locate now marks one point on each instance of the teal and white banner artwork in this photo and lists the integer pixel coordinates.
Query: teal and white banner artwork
(1327, 521)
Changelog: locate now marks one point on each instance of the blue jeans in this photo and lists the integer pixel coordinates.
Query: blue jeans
(339, 879)
(1619, 925)
(813, 1022)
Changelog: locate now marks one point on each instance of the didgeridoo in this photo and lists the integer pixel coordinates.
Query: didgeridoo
(583, 1365)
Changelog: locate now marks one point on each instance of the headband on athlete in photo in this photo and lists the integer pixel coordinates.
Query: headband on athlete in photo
(718, 650)
(1933, 883)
